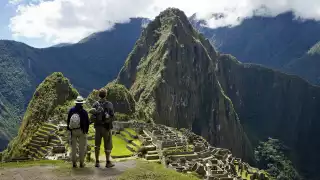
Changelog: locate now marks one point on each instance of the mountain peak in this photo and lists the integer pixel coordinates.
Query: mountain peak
(170, 71)
(173, 13)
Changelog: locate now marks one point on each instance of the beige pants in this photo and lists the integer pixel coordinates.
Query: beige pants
(78, 139)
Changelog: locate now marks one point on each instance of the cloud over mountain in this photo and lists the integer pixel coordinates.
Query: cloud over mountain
(71, 20)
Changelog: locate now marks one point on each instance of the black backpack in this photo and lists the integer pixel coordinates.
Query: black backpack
(103, 118)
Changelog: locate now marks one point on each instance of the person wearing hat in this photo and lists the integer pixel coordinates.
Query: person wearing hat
(78, 125)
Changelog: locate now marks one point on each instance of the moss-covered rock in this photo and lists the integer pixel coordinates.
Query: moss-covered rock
(119, 95)
(50, 102)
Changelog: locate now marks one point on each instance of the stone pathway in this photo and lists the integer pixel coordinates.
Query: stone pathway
(66, 173)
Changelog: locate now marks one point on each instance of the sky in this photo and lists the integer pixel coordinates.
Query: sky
(42, 23)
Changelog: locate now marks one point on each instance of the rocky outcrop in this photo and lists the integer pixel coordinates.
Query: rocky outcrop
(170, 73)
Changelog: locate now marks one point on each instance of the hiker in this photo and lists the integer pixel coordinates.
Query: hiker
(78, 125)
(103, 114)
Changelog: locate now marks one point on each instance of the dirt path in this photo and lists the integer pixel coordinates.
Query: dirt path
(66, 172)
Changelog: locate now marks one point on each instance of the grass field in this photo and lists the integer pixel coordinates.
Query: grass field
(154, 171)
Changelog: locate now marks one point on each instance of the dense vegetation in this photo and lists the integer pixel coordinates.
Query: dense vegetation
(271, 157)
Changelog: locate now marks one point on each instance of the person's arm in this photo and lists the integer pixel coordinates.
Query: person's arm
(93, 110)
(68, 120)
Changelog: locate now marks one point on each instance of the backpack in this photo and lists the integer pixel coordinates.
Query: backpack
(74, 121)
(102, 118)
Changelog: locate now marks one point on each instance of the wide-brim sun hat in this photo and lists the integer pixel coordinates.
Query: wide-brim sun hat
(80, 100)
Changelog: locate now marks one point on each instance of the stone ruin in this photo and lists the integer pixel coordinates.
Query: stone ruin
(173, 149)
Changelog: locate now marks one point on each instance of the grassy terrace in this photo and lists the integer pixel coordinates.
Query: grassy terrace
(131, 131)
(119, 145)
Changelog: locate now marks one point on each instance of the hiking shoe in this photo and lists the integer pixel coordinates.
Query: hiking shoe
(109, 164)
(82, 165)
(97, 164)
(74, 165)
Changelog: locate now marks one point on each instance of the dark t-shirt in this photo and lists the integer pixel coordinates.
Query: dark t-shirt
(84, 118)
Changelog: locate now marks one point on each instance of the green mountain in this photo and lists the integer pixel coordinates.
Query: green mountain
(170, 73)
(8, 121)
(15, 87)
(49, 103)
(273, 104)
(178, 79)
(90, 63)
(307, 65)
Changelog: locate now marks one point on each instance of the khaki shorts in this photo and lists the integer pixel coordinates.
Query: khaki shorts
(102, 132)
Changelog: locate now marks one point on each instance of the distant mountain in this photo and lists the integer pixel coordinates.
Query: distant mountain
(307, 66)
(271, 41)
(88, 64)
(62, 45)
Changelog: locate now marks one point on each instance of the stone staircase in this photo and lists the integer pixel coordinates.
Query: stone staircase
(152, 153)
(42, 141)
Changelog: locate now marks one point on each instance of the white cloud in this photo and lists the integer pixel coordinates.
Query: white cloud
(70, 20)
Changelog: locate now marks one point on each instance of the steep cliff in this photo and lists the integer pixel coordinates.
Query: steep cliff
(170, 73)
(273, 104)
(47, 102)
